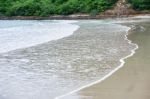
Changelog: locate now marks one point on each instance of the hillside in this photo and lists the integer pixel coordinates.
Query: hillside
(67, 7)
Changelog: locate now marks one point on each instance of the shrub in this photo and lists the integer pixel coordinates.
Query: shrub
(140, 4)
(48, 7)
(94, 12)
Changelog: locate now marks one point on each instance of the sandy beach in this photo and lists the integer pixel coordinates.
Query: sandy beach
(130, 82)
(83, 60)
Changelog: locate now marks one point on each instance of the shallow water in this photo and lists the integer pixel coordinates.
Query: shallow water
(133, 78)
(21, 34)
(48, 69)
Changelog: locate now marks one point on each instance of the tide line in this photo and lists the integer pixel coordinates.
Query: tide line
(122, 60)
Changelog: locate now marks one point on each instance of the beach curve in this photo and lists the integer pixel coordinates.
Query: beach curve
(122, 62)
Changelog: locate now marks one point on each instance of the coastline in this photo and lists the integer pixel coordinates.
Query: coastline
(120, 33)
(122, 62)
(70, 17)
(129, 82)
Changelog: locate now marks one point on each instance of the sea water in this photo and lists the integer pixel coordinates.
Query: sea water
(47, 59)
(20, 34)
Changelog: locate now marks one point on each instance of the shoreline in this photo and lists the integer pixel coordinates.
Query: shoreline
(70, 17)
(122, 62)
(130, 82)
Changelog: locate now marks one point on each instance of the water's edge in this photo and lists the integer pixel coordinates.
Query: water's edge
(122, 62)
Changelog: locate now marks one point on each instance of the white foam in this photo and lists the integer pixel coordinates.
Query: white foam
(22, 36)
(128, 19)
(109, 74)
(142, 16)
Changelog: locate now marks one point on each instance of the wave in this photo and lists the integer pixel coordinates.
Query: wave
(60, 68)
(22, 34)
(122, 62)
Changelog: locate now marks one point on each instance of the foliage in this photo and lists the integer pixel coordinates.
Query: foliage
(61, 7)
(140, 4)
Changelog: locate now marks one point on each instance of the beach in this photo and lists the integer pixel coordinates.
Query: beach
(132, 81)
(82, 63)
(54, 64)
(74, 49)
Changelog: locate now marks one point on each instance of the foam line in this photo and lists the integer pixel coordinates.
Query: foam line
(122, 60)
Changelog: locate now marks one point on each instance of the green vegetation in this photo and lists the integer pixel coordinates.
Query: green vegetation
(53, 7)
(61, 7)
(140, 4)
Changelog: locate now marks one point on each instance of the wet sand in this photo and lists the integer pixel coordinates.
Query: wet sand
(130, 82)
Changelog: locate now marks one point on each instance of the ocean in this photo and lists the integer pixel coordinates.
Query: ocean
(49, 59)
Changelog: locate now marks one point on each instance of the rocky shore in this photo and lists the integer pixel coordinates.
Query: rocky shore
(70, 17)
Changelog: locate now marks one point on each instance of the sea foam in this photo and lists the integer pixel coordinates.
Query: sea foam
(122, 62)
(21, 34)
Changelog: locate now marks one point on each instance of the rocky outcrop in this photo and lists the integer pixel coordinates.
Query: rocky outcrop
(121, 8)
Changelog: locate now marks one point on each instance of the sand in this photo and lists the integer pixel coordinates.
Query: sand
(132, 81)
